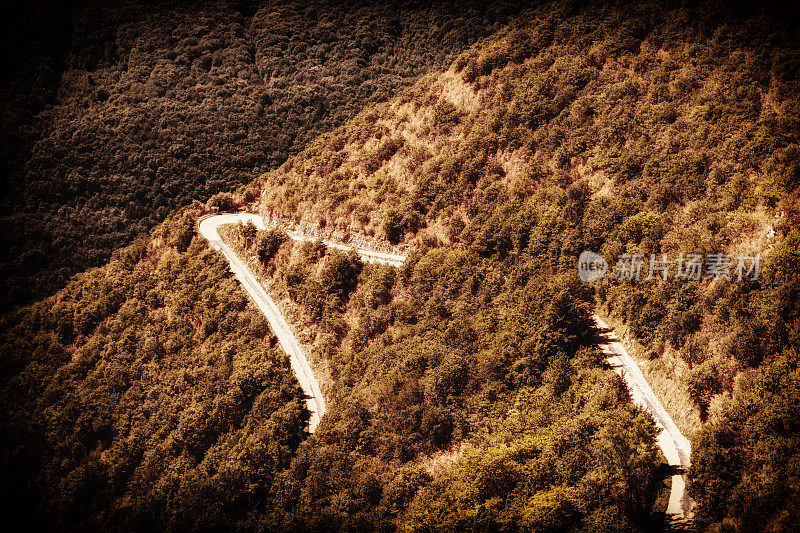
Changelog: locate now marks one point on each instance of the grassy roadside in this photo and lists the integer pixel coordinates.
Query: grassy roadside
(664, 377)
(303, 332)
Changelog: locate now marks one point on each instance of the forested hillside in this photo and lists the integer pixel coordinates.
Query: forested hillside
(114, 114)
(455, 358)
(147, 392)
(463, 389)
(632, 129)
(147, 389)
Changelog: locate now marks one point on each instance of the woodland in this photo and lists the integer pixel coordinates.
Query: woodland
(465, 389)
(114, 114)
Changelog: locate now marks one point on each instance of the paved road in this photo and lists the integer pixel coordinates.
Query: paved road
(209, 228)
(370, 256)
(676, 448)
(305, 376)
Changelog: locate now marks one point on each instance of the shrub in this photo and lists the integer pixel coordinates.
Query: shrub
(445, 115)
(339, 275)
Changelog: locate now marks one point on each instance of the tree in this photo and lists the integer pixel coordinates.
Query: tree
(224, 201)
(393, 226)
(628, 460)
(339, 275)
(269, 242)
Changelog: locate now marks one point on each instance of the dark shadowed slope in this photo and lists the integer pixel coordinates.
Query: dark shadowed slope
(125, 111)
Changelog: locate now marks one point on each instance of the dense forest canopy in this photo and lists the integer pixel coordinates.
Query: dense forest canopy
(151, 379)
(465, 390)
(626, 129)
(114, 114)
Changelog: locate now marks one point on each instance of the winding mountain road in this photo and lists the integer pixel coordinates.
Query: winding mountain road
(676, 447)
(209, 228)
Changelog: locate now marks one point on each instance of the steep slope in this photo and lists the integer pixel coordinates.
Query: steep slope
(147, 392)
(454, 357)
(464, 390)
(430, 362)
(117, 113)
(147, 389)
(633, 129)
